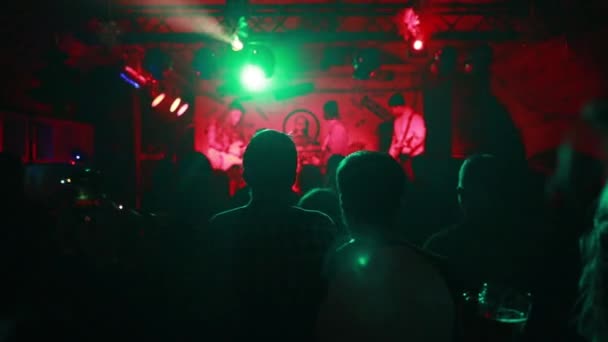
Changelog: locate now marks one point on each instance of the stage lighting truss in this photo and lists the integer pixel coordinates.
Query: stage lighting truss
(164, 95)
(336, 21)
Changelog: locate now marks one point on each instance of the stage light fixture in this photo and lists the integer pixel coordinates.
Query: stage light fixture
(236, 43)
(183, 109)
(253, 78)
(417, 49)
(175, 104)
(365, 63)
(158, 99)
(129, 80)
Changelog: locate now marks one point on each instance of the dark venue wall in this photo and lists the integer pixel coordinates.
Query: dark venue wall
(108, 105)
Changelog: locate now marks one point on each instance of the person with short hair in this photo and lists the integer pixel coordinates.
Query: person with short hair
(381, 287)
(336, 140)
(267, 256)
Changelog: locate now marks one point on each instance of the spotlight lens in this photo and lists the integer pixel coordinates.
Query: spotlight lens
(175, 104)
(182, 109)
(158, 99)
(236, 43)
(418, 45)
(253, 78)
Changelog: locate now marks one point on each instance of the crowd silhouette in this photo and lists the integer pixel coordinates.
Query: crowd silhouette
(332, 262)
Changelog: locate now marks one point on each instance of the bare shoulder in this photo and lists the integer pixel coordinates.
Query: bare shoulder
(402, 295)
(410, 270)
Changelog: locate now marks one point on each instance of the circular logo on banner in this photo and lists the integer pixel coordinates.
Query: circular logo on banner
(302, 123)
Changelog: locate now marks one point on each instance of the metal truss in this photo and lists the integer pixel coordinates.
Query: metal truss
(333, 22)
(465, 21)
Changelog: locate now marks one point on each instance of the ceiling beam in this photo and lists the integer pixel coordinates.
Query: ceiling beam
(309, 9)
(315, 37)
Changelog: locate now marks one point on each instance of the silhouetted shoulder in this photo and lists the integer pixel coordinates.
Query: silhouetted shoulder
(314, 217)
(227, 217)
(435, 243)
(313, 214)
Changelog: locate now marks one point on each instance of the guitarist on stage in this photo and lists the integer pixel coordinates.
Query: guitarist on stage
(409, 133)
(227, 139)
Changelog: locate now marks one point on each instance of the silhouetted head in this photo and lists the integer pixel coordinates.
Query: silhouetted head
(330, 110)
(397, 104)
(235, 113)
(332, 167)
(270, 162)
(193, 200)
(371, 187)
(193, 166)
(310, 178)
(481, 185)
(593, 318)
(578, 178)
(12, 176)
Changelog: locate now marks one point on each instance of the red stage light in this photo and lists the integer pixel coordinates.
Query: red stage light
(468, 68)
(418, 45)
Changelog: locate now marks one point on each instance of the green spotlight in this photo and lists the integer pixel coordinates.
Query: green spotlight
(253, 78)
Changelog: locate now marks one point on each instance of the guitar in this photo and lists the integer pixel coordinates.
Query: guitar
(406, 142)
(376, 108)
(224, 160)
